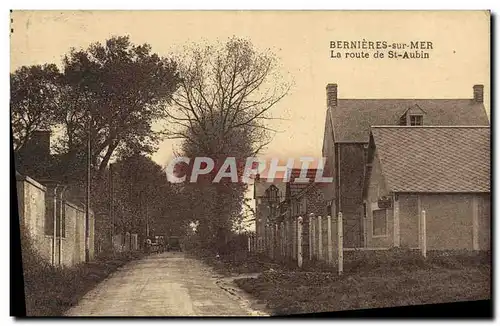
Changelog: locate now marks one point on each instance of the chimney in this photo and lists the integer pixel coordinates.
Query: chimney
(478, 93)
(331, 95)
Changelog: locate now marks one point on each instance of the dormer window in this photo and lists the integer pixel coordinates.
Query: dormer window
(413, 116)
(416, 120)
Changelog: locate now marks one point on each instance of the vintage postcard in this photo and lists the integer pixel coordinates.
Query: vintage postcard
(251, 163)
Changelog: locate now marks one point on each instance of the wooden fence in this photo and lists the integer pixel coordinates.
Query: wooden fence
(314, 238)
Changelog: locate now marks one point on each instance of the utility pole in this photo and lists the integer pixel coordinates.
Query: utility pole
(111, 201)
(147, 221)
(87, 194)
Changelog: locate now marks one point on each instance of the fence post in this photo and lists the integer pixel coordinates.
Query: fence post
(329, 234)
(280, 239)
(311, 222)
(273, 240)
(313, 240)
(320, 239)
(424, 234)
(249, 243)
(266, 239)
(294, 238)
(286, 237)
(280, 244)
(340, 244)
(299, 241)
(283, 231)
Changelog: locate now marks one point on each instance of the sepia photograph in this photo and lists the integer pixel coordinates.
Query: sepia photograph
(250, 163)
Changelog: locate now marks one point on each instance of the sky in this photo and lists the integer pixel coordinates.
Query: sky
(459, 58)
(301, 40)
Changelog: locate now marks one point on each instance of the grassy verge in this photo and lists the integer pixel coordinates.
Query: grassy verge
(239, 262)
(373, 280)
(50, 291)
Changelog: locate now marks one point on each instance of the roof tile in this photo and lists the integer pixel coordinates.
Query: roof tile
(434, 159)
(352, 118)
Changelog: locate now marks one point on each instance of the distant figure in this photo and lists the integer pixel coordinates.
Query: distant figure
(147, 245)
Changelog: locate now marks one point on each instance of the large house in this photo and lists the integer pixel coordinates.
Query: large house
(347, 136)
(278, 205)
(442, 171)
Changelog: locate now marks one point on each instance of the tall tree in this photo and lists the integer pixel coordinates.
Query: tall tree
(118, 90)
(225, 88)
(35, 96)
(221, 110)
(143, 193)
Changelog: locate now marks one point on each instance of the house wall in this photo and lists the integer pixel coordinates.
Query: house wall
(408, 220)
(91, 236)
(352, 172)
(72, 248)
(449, 220)
(31, 209)
(349, 199)
(73, 243)
(33, 199)
(328, 152)
(484, 221)
(377, 188)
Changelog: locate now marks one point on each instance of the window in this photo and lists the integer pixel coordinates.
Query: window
(416, 120)
(379, 223)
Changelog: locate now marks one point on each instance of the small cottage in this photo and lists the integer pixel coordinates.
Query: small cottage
(442, 170)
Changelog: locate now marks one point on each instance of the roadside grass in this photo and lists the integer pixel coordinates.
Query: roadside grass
(371, 280)
(238, 262)
(50, 291)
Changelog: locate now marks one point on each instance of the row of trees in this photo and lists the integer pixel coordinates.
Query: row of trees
(215, 98)
(111, 93)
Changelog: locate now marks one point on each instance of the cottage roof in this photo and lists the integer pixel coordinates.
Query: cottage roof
(433, 159)
(351, 118)
(298, 187)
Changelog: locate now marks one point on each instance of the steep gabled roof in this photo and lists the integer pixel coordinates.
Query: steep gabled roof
(352, 118)
(433, 159)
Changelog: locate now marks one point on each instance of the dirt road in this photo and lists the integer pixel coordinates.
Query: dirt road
(167, 284)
